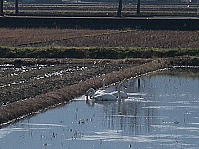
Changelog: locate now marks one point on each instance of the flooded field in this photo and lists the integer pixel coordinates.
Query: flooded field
(29, 78)
(163, 112)
(28, 81)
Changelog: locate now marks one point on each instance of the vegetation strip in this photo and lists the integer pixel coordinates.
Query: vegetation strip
(17, 110)
(95, 52)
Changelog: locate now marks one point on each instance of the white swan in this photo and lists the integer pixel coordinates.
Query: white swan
(119, 89)
(100, 95)
(103, 95)
(120, 93)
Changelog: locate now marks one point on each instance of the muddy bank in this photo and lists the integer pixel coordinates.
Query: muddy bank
(20, 108)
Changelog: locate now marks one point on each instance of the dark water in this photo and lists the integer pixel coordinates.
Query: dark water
(162, 113)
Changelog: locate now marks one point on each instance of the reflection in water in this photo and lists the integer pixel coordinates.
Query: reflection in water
(162, 111)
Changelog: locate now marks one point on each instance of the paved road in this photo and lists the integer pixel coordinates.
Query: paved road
(156, 22)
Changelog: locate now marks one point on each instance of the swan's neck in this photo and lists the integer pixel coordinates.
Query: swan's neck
(119, 92)
(103, 84)
(87, 98)
(90, 93)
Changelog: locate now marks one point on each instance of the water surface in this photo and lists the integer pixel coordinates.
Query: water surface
(162, 113)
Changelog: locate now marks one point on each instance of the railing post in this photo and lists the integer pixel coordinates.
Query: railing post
(138, 7)
(197, 7)
(119, 11)
(16, 6)
(1, 7)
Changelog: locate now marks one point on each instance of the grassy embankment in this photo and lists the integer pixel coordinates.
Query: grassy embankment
(95, 52)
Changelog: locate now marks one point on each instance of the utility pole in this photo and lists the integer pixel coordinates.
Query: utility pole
(119, 11)
(1, 8)
(138, 7)
(16, 6)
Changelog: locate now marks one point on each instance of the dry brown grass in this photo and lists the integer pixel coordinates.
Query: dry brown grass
(13, 37)
(138, 38)
(101, 38)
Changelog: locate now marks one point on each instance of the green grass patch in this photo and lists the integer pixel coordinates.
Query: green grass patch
(94, 52)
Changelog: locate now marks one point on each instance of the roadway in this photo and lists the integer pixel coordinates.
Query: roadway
(145, 22)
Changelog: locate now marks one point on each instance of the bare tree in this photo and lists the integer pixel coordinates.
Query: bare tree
(1, 7)
(119, 11)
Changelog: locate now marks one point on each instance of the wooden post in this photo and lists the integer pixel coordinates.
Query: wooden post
(138, 83)
(1, 7)
(119, 11)
(138, 7)
(16, 6)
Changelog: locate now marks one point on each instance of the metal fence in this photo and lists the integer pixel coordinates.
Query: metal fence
(100, 8)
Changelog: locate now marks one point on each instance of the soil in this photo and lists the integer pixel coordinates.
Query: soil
(26, 78)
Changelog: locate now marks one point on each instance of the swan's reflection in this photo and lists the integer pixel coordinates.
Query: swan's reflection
(128, 114)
